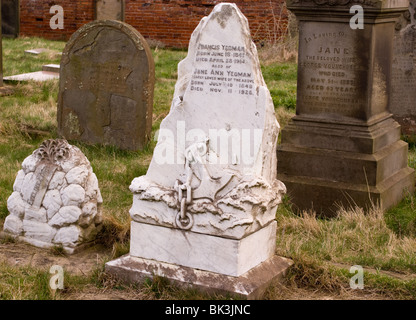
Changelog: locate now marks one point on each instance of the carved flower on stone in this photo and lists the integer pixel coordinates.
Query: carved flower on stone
(53, 151)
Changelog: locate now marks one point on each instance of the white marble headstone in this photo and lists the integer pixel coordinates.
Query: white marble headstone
(56, 200)
(213, 170)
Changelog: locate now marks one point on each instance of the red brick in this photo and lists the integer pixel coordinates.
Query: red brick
(169, 21)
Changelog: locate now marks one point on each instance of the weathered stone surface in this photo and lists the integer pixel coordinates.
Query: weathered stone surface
(250, 285)
(73, 195)
(51, 67)
(66, 216)
(36, 214)
(44, 204)
(29, 164)
(13, 225)
(40, 231)
(232, 257)
(39, 76)
(403, 73)
(17, 186)
(57, 180)
(52, 202)
(343, 148)
(220, 134)
(106, 86)
(77, 175)
(16, 205)
(92, 191)
(67, 236)
(89, 211)
(109, 10)
(209, 198)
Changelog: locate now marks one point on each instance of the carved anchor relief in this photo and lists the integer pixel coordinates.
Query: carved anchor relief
(197, 165)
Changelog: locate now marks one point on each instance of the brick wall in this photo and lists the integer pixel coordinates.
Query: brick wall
(35, 17)
(170, 22)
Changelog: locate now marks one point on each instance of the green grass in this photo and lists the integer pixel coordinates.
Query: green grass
(281, 81)
(28, 117)
(16, 61)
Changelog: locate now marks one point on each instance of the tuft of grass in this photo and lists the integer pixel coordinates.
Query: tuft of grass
(353, 237)
(58, 250)
(412, 156)
(23, 283)
(402, 218)
(317, 246)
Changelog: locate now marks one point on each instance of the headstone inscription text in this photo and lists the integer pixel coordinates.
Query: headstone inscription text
(403, 76)
(343, 149)
(330, 73)
(222, 70)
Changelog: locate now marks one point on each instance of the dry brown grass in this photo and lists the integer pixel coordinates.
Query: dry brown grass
(282, 44)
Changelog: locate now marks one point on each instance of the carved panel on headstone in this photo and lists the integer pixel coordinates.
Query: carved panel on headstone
(403, 93)
(106, 86)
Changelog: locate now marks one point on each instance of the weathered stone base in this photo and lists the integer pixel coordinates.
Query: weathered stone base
(231, 257)
(327, 166)
(327, 197)
(46, 245)
(365, 139)
(250, 285)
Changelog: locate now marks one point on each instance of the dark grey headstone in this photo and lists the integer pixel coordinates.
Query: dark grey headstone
(343, 148)
(10, 21)
(106, 86)
(403, 93)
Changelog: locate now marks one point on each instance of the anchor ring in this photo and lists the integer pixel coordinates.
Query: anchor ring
(185, 223)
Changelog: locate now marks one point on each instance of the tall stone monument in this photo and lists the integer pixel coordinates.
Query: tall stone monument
(403, 77)
(204, 214)
(343, 147)
(106, 86)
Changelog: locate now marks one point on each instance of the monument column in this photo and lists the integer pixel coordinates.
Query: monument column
(343, 147)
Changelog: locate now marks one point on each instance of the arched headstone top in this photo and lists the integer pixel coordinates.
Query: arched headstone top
(106, 86)
(135, 36)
